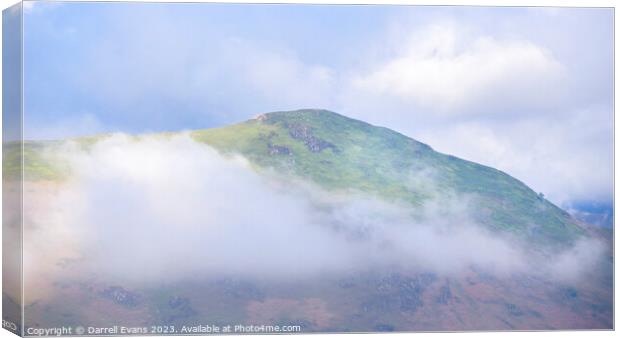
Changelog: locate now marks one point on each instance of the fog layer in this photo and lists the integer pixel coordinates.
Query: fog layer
(164, 209)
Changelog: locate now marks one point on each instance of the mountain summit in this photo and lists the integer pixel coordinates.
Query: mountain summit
(397, 236)
(342, 154)
(338, 152)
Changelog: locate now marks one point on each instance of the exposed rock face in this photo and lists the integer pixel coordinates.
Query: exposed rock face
(121, 296)
(396, 292)
(262, 117)
(445, 294)
(180, 308)
(513, 309)
(275, 149)
(304, 133)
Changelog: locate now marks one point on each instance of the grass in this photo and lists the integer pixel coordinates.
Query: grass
(361, 157)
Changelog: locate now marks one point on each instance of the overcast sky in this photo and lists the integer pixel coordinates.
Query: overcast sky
(525, 90)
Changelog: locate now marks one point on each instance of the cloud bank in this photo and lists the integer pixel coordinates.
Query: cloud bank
(167, 209)
(444, 70)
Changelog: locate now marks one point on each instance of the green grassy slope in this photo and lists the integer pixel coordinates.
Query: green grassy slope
(339, 153)
(36, 166)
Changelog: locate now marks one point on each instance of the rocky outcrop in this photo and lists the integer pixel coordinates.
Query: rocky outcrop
(262, 117)
(275, 149)
(445, 294)
(397, 292)
(304, 133)
(179, 308)
(121, 296)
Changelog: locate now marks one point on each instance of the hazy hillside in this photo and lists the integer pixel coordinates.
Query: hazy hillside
(341, 153)
(303, 217)
(337, 152)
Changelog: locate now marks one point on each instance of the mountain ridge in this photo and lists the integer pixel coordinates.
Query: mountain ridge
(340, 153)
(450, 280)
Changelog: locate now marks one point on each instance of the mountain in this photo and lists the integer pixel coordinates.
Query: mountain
(337, 152)
(340, 153)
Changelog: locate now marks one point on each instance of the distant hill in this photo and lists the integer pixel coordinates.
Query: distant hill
(592, 212)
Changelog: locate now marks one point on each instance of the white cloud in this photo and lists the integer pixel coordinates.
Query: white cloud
(504, 100)
(567, 158)
(448, 72)
(160, 209)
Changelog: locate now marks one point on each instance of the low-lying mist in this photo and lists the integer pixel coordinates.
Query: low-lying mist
(165, 209)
